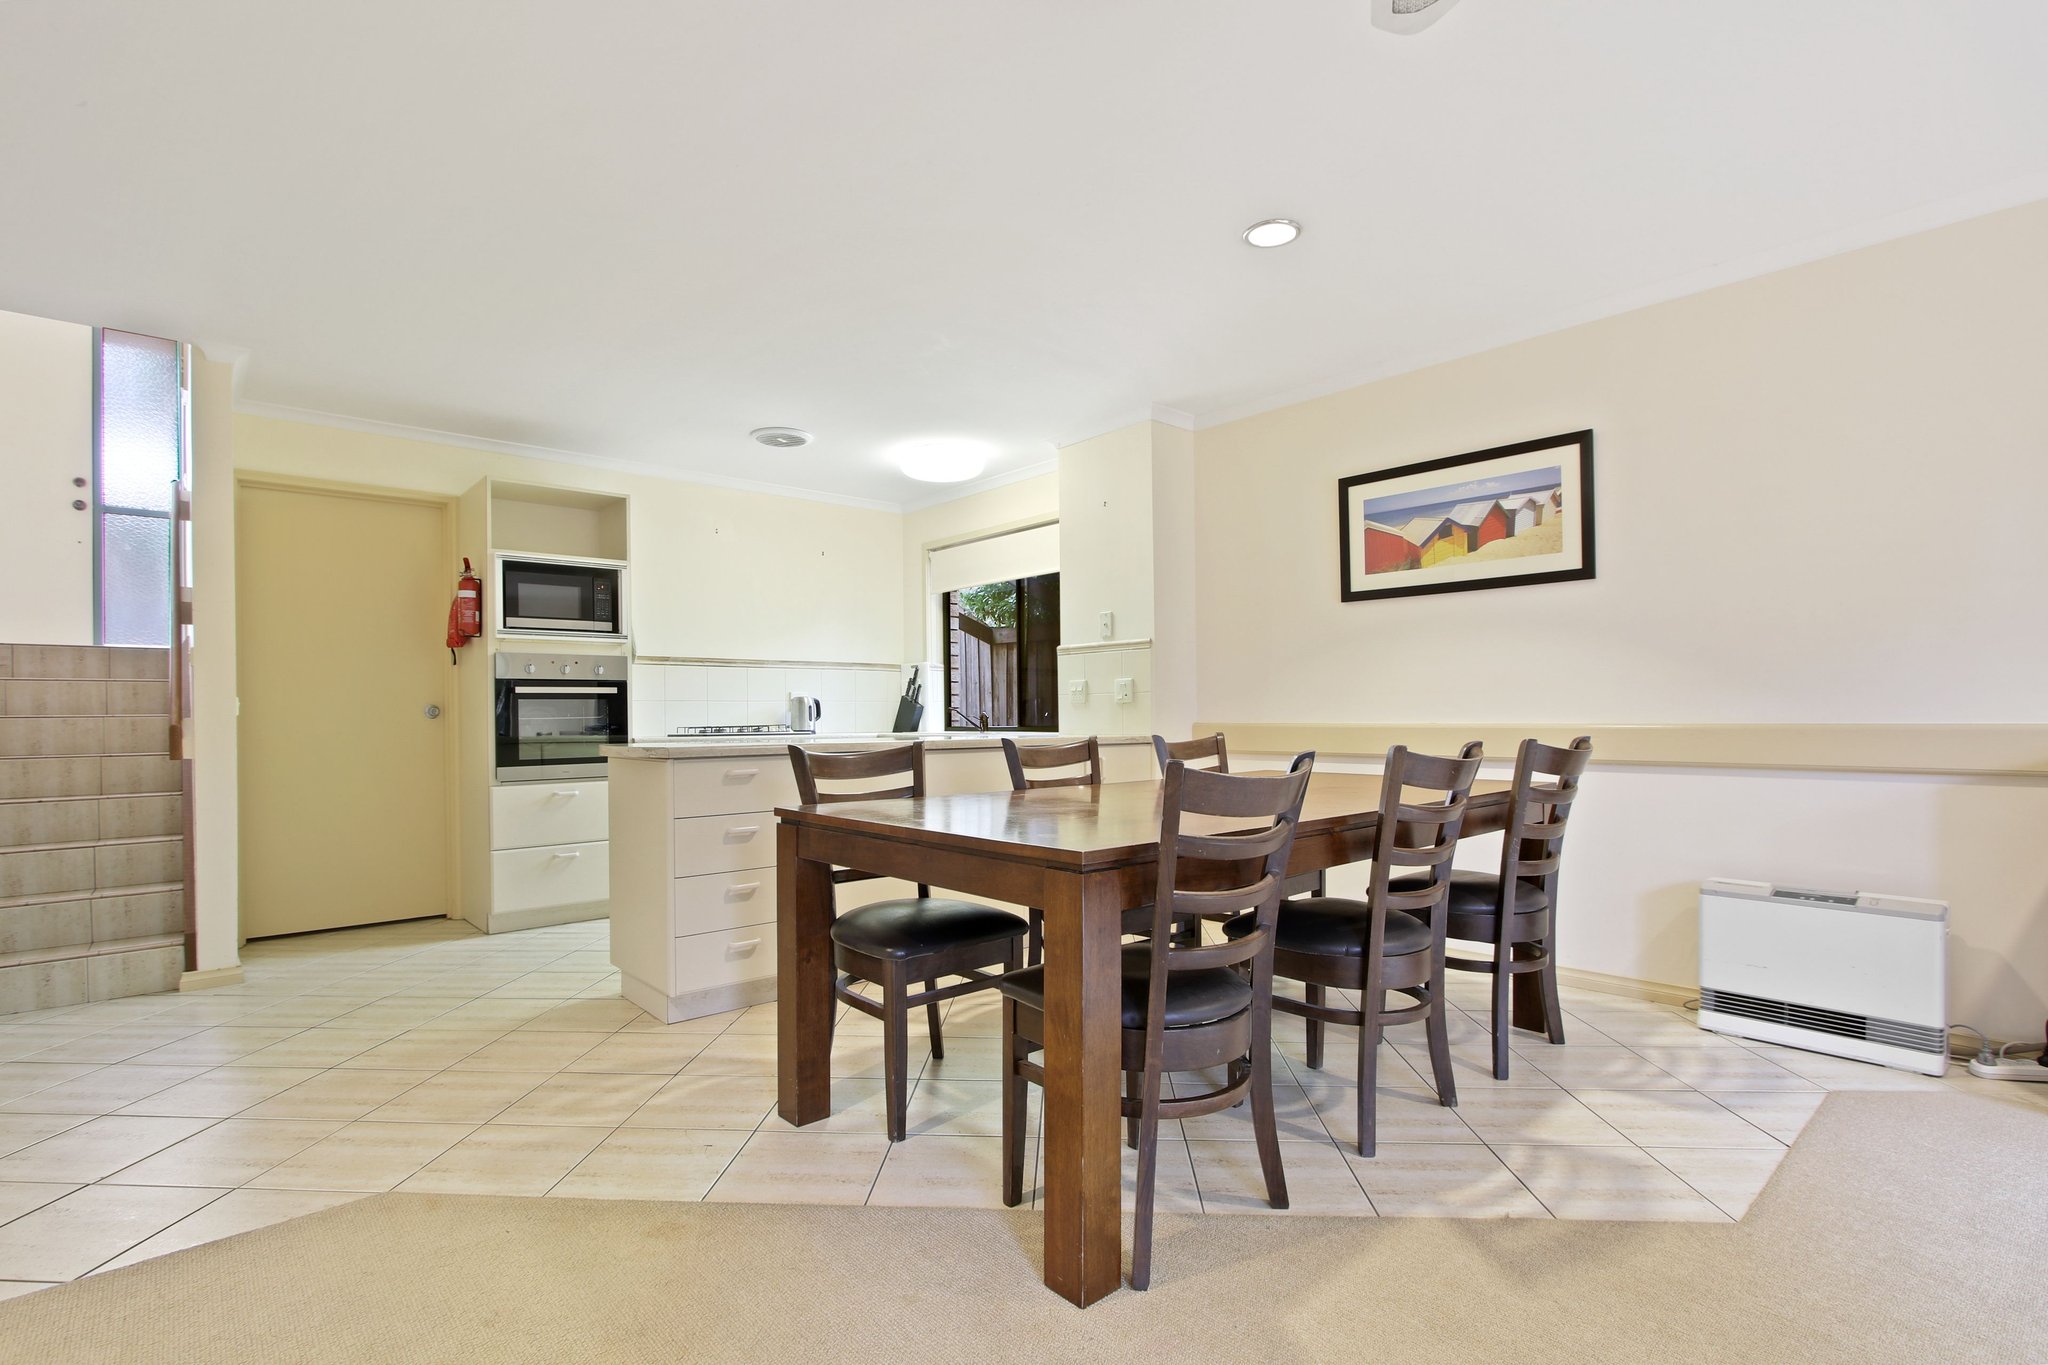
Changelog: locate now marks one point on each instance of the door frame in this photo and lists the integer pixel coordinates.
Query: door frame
(451, 708)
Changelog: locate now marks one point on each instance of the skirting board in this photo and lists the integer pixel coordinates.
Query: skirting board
(212, 976)
(541, 918)
(1655, 991)
(673, 1009)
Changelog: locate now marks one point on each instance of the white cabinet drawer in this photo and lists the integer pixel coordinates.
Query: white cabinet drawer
(543, 814)
(723, 900)
(538, 878)
(725, 843)
(724, 958)
(720, 786)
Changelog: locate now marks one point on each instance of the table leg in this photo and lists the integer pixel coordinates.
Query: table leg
(803, 983)
(1082, 1160)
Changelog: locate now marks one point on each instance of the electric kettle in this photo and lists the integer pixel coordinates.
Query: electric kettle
(803, 713)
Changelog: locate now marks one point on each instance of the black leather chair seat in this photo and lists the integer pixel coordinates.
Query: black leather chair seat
(1207, 996)
(1474, 906)
(1330, 926)
(912, 928)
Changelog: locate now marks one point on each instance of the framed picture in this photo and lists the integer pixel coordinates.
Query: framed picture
(1514, 514)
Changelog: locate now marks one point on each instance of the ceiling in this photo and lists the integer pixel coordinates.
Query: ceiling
(636, 230)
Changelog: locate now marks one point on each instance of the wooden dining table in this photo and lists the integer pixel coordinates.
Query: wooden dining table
(1083, 856)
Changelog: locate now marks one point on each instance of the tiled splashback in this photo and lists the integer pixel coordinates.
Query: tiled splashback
(855, 698)
(1099, 712)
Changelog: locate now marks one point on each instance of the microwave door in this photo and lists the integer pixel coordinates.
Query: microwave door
(548, 597)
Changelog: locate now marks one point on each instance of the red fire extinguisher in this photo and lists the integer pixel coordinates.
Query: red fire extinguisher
(466, 612)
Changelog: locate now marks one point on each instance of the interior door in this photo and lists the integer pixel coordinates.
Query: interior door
(341, 606)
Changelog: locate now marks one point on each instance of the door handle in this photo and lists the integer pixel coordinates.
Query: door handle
(571, 853)
(567, 792)
(741, 832)
(433, 712)
(742, 891)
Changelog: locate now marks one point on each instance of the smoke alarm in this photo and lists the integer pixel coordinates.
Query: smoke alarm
(782, 438)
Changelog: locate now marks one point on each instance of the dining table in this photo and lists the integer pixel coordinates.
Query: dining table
(1082, 856)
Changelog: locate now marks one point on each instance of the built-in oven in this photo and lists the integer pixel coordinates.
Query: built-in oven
(555, 712)
(561, 596)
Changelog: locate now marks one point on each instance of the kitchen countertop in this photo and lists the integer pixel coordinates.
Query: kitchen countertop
(746, 746)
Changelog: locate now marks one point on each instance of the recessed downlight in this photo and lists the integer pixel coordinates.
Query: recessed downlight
(943, 460)
(782, 438)
(1271, 232)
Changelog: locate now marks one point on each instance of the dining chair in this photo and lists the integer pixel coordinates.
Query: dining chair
(1192, 751)
(1393, 940)
(1184, 1008)
(1023, 761)
(1514, 911)
(896, 943)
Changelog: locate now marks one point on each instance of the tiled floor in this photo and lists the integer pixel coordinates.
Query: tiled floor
(426, 1057)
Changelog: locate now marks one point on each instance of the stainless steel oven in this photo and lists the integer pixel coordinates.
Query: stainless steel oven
(561, 596)
(555, 711)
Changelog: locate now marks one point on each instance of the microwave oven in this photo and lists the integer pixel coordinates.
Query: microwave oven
(562, 596)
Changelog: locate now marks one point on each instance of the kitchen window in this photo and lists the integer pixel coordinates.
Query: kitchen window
(138, 440)
(1002, 655)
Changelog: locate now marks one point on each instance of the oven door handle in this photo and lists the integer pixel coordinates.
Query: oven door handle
(551, 691)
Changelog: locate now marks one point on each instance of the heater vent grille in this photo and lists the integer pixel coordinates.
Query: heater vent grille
(1891, 1032)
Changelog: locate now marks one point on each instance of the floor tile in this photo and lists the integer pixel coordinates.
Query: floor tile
(14, 1289)
(19, 1197)
(572, 1098)
(222, 1092)
(65, 1239)
(721, 1102)
(1231, 1180)
(1780, 1113)
(337, 1094)
(1403, 1114)
(1724, 1069)
(506, 1159)
(422, 1049)
(1295, 1118)
(653, 1163)
(458, 1097)
(541, 1051)
(1730, 1176)
(102, 1091)
(736, 1054)
(369, 1157)
(803, 1168)
(232, 1152)
(944, 1171)
(1174, 1189)
(1840, 1073)
(24, 1130)
(1442, 1180)
(859, 1105)
(1601, 1066)
(585, 1016)
(18, 1079)
(1536, 1116)
(1610, 1183)
(713, 1024)
(96, 1148)
(237, 1211)
(642, 1053)
(218, 1046)
(1657, 1118)
(323, 1046)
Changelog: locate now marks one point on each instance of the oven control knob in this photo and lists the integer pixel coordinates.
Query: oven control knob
(531, 669)
(568, 669)
(599, 670)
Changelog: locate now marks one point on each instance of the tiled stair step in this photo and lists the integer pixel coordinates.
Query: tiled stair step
(104, 893)
(6, 801)
(91, 843)
(69, 951)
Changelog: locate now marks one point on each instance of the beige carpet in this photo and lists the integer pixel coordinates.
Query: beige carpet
(1902, 1227)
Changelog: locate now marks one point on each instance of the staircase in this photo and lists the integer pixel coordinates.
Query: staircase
(92, 856)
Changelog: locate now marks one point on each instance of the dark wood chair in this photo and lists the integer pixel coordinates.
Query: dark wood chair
(1515, 910)
(1184, 1009)
(1085, 754)
(1192, 751)
(1391, 941)
(896, 943)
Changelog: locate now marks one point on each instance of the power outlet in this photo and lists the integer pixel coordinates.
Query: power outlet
(2010, 1070)
(1109, 625)
(1078, 690)
(1123, 689)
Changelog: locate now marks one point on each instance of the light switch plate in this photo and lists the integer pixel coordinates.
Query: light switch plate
(1109, 625)
(1123, 689)
(1078, 689)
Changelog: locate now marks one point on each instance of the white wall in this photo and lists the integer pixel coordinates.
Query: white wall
(216, 763)
(1810, 509)
(46, 418)
(1106, 565)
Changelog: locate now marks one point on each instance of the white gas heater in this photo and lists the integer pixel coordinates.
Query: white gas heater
(1843, 972)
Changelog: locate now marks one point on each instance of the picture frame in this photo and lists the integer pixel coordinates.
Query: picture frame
(1501, 517)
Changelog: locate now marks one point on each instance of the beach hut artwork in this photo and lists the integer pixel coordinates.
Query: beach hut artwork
(1490, 518)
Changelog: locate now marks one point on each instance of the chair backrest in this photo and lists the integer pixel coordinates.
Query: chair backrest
(1191, 751)
(1546, 783)
(1027, 759)
(1422, 811)
(813, 768)
(1232, 873)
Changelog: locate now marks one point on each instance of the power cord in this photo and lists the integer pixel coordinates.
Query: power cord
(1984, 1056)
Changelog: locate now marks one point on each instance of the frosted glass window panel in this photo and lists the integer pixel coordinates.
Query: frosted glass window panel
(141, 404)
(135, 580)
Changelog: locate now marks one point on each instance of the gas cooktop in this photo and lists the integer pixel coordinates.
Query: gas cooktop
(691, 731)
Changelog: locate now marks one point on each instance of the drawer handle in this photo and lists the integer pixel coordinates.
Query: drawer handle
(570, 853)
(741, 774)
(567, 792)
(745, 945)
(742, 891)
(737, 832)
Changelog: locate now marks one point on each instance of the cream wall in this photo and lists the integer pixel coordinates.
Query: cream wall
(46, 417)
(1806, 494)
(717, 572)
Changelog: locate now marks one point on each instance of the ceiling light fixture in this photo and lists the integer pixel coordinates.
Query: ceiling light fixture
(1272, 232)
(947, 460)
(782, 438)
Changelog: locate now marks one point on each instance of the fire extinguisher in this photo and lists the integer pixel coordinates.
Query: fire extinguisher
(466, 612)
